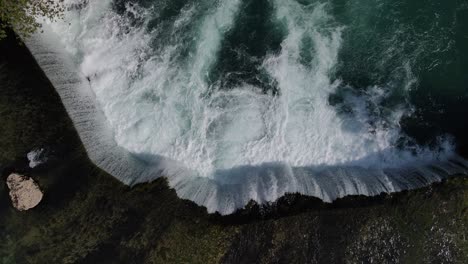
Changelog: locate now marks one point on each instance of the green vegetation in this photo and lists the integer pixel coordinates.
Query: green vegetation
(89, 217)
(22, 15)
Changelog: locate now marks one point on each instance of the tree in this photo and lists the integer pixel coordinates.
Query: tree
(21, 15)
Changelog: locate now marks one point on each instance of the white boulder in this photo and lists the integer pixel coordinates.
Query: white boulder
(24, 192)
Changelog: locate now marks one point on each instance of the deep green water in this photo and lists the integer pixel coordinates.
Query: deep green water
(429, 37)
(239, 100)
(416, 51)
(89, 217)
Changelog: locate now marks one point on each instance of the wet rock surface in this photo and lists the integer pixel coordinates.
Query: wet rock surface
(89, 217)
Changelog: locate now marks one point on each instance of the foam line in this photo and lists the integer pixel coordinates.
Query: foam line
(144, 112)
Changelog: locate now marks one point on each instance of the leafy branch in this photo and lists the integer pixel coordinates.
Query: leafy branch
(21, 15)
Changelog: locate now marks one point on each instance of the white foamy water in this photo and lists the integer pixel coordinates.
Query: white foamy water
(222, 146)
(36, 157)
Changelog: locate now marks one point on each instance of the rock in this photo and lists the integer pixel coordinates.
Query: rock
(25, 194)
(36, 157)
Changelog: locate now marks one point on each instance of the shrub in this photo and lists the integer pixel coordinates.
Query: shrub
(22, 15)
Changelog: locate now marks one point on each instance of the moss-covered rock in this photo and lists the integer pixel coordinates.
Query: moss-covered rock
(87, 216)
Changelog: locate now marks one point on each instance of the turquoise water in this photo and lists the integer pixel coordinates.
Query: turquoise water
(416, 50)
(234, 100)
(430, 37)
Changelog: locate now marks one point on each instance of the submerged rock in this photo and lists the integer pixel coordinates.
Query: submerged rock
(25, 194)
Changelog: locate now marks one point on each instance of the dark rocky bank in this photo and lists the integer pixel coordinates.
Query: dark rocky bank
(87, 216)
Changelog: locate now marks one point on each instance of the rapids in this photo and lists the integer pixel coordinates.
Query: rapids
(239, 100)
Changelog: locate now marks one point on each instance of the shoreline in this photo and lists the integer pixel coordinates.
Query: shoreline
(96, 136)
(88, 216)
(252, 203)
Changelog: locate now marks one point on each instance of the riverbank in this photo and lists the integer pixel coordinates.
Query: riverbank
(87, 216)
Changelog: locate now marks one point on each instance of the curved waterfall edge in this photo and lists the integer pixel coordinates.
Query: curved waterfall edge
(222, 196)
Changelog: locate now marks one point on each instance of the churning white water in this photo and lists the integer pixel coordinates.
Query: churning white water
(223, 146)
